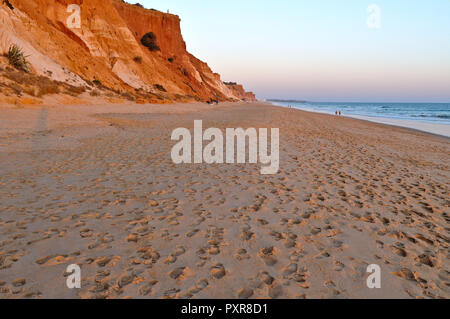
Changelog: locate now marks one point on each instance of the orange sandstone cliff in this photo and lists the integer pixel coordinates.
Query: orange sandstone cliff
(239, 92)
(105, 54)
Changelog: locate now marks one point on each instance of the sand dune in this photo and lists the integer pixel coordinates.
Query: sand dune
(95, 186)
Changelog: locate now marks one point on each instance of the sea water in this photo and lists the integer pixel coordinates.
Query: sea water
(421, 112)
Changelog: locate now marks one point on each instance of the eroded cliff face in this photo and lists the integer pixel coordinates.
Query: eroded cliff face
(240, 93)
(106, 50)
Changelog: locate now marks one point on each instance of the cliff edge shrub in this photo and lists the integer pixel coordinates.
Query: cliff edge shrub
(149, 41)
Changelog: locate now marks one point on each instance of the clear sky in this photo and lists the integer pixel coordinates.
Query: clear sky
(322, 50)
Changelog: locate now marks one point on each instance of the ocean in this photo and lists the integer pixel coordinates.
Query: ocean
(438, 113)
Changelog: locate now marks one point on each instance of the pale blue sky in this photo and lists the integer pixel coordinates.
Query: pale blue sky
(322, 50)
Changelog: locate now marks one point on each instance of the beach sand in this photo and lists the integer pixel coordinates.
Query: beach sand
(96, 186)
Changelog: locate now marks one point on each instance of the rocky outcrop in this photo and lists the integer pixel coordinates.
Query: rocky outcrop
(239, 92)
(106, 50)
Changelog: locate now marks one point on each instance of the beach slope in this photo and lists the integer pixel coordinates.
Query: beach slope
(96, 186)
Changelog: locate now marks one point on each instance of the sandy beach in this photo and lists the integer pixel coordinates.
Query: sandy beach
(95, 186)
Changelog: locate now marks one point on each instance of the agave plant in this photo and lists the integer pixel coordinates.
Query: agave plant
(17, 58)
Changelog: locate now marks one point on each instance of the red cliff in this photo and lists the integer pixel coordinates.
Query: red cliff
(106, 51)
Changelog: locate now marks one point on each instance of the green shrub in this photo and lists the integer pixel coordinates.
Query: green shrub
(149, 41)
(160, 87)
(171, 60)
(17, 58)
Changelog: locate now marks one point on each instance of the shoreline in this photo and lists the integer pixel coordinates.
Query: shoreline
(438, 129)
(441, 130)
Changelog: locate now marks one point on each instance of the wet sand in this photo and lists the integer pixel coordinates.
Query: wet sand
(96, 186)
(433, 128)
